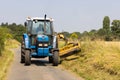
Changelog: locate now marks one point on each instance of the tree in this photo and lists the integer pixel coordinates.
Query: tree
(4, 35)
(101, 32)
(16, 30)
(85, 33)
(93, 34)
(74, 36)
(66, 34)
(106, 23)
(78, 34)
(115, 28)
(106, 28)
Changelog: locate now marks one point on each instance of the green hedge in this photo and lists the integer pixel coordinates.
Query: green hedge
(4, 35)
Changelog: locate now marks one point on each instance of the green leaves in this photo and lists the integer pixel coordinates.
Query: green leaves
(115, 28)
(106, 23)
(16, 30)
(4, 35)
(74, 36)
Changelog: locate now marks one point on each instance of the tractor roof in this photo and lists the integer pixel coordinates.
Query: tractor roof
(38, 18)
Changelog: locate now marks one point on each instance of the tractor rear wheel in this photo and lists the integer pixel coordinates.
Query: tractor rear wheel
(56, 58)
(50, 59)
(27, 57)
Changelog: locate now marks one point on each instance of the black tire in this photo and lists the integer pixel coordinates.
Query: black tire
(22, 58)
(56, 58)
(22, 53)
(57, 43)
(27, 57)
(50, 59)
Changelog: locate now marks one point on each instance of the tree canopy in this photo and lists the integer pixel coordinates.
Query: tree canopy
(106, 23)
(115, 28)
(16, 30)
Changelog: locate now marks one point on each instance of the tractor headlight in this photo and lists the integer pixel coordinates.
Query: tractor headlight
(45, 44)
(40, 44)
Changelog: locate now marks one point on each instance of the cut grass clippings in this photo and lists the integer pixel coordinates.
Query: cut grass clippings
(7, 57)
(97, 60)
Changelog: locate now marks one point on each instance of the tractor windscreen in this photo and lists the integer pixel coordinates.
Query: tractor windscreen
(38, 27)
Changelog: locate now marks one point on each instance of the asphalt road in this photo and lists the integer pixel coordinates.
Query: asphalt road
(40, 69)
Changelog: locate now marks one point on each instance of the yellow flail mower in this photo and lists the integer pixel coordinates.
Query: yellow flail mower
(69, 47)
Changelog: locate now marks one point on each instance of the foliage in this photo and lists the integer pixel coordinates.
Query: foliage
(74, 36)
(93, 34)
(115, 28)
(106, 33)
(7, 57)
(78, 34)
(8, 31)
(106, 23)
(66, 34)
(4, 35)
(16, 30)
(101, 32)
(106, 29)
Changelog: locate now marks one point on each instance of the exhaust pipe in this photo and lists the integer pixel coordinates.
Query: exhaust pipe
(45, 23)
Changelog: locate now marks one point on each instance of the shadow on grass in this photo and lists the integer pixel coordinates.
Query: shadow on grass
(72, 59)
(65, 59)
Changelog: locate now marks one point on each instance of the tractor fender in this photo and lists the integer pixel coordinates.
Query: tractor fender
(55, 49)
(55, 42)
(26, 40)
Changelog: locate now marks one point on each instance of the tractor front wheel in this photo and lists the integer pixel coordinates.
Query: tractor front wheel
(22, 53)
(50, 59)
(22, 58)
(56, 58)
(27, 57)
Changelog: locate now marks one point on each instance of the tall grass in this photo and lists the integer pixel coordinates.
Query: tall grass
(97, 60)
(4, 35)
(7, 57)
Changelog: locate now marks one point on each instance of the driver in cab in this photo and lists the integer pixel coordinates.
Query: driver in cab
(40, 29)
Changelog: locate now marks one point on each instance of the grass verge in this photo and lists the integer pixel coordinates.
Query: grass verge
(98, 60)
(7, 57)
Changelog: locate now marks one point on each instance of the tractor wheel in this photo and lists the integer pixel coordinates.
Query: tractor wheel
(50, 59)
(22, 58)
(56, 58)
(22, 54)
(27, 57)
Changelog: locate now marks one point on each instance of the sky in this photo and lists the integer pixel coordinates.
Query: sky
(68, 15)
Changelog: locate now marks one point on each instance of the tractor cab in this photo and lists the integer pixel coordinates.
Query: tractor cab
(39, 26)
(39, 40)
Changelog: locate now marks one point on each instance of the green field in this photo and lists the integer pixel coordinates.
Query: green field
(97, 60)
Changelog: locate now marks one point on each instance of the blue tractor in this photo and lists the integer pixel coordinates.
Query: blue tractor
(39, 41)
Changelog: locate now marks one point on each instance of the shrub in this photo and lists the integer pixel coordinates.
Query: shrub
(4, 35)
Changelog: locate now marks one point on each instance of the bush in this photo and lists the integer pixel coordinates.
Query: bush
(4, 35)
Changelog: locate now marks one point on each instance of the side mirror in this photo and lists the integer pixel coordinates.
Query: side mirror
(25, 24)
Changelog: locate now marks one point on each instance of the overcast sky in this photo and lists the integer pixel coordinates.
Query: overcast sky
(69, 15)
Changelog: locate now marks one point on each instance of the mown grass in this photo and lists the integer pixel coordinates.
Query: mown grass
(97, 60)
(7, 57)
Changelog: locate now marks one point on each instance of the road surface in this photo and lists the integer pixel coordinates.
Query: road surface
(39, 70)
